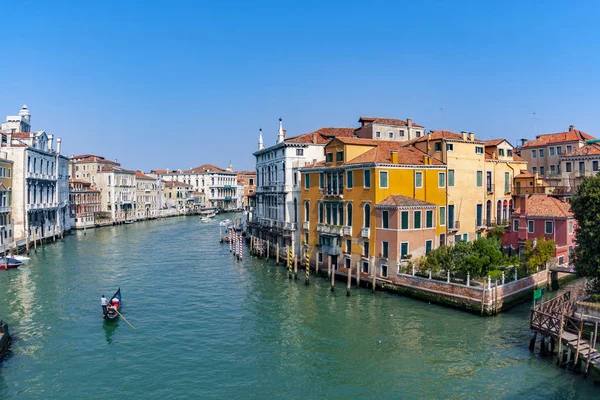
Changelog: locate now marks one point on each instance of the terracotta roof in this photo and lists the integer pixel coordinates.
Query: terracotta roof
(448, 135)
(197, 193)
(541, 205)
(159, 171)
(573, 135)
(205, 168)
(110, 168)
(336, 132)
(524, 174)
(363, 141)
(517, 157)
(22, 135)
(140, 175)
(397, 200)
(176, 183)
(314, 164)
(321, 135)
(84, 159)
(86, 183)
(386, 121)
(587, 150)
(495, 142)
(382, 154)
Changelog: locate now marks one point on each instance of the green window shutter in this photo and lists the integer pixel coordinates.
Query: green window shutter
(321, 180)
(403, 250)
(506, 182)
(367, 178)
(383, 179)
(441, 179)
(479, 178)
(307, 181)
(385, 219)
(451, 177)
(442, 216)
(349, 180)
(417, 220)
(418, 179)
(404, 219)
(429, 218)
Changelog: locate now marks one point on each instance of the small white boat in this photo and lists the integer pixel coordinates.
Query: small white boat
(225, 222)
(129, 222)
(23, 259)
(204, 219)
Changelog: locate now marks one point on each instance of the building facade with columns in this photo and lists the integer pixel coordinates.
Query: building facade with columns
(277, 214)
(220, 186)
(40, 195)
(148, 196)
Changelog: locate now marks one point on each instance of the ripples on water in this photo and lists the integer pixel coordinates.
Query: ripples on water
(208, 326)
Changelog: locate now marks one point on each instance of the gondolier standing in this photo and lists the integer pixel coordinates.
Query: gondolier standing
(104, 304)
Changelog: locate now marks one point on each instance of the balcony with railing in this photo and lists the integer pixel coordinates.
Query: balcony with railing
(480, 223)
(5, 209)
(332, 229)
(489, 188)
(347, 231)
(365, 232)
(306, 225)
(333, 191)
(453, 225)
(508, 189)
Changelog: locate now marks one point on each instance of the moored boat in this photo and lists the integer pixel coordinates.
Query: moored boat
(23, 259)
(8, 262)
(4, 335)
(114, 306)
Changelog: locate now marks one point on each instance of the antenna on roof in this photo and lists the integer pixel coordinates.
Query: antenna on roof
(535, 118)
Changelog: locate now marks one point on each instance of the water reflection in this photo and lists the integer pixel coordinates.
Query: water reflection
(110, 327)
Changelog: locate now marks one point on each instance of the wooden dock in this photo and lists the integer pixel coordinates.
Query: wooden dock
(554, 320)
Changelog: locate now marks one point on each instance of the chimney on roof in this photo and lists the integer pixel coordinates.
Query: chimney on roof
(58, 140)
(50, 142)
(523, 141)
(464, 135)
(571, 128)
(260, 140)
(471, 136)
(314, 137)
(408, 121)
(394, 156)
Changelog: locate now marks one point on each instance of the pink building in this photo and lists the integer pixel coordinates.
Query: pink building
(404, 226)
(539, 215)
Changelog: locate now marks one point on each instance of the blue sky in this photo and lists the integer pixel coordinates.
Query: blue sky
(179, 84)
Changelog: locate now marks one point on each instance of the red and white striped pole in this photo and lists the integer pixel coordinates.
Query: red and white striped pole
(241, 246)
(230, 240)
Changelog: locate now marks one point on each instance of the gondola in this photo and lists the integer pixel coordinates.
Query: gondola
(115, 302)
(6, 263)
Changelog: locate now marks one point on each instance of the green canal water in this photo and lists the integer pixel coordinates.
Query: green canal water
(210, 327)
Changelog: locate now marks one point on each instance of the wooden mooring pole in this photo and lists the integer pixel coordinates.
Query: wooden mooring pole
(277, 254)
(349, 279)
(332, 276)
(295, 267)
(307, 265)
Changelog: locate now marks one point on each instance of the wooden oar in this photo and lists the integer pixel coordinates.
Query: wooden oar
(117, 311)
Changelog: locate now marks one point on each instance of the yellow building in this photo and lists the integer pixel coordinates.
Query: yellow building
(367, 189)
(6, 224)
(479, 180)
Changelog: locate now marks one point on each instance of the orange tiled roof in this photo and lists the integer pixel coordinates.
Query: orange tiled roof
(364, 141)
(495, 142)
(111, 168)
(517, 157)
(205, 168)
(541, 205)
(443, 134)
(524, 174)
(397, 200)
(386, 121)
(140, 175)
(382, 154)
(587, 150)
(159, 171)
(176, 183)
(572, 135)
(321, 135)
(88, 158)
(86, 183)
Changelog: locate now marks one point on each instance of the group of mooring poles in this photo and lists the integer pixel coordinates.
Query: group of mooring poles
(236, 245)
(264, 248)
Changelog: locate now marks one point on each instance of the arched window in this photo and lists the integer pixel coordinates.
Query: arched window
(349, 214)
(367, 216)
(321, 213)
(307, 210)
(499, 212)
(295, 211)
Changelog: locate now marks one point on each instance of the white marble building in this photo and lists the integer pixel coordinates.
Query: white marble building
(40, 195)
(219, 185)
(277, 211)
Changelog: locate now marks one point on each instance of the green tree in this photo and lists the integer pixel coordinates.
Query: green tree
(539, 254)
(438, 259)
(586, 207)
